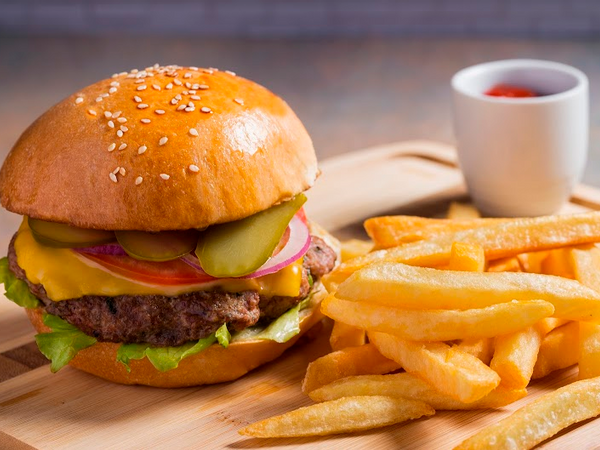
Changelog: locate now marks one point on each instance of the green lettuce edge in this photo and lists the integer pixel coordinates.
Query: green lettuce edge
(16, 290)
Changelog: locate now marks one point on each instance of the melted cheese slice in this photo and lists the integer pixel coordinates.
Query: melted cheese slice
(65, 275)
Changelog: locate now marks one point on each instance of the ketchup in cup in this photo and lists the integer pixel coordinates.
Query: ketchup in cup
(508, 90)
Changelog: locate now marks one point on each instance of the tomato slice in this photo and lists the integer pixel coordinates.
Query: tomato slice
(165, 273)
(302, 215)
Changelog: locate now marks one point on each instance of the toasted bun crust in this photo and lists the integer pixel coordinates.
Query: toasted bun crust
(214, 365)
(250, 156)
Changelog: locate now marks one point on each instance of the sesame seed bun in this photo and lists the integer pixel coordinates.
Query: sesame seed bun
(178, 149)
(213, 365)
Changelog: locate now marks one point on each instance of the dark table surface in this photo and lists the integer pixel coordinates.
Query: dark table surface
(350, 93)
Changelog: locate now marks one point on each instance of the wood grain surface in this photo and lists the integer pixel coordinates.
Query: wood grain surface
(72, 409)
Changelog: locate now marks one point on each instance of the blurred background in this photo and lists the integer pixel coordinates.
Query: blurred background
(358, 73)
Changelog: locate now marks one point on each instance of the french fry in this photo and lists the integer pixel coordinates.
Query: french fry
(499, 240)
(363, 360)
(481, 348)
(515, 356)
(510, 264)
(391, 231)
(438, 325)
(343, 415)
(531, 262)
(462, 211)
(355, 247)
(589, 350)
(344, 335)
(586, 266)
(559, 349)
(408, 287)
(558, 262)
(540, 419)
(408, 386)
(455, 373)
(466, 257)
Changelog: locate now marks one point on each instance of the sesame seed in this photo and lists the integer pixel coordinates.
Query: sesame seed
(164, 176)
(78, 100)
(142, 106)
(116, 171)
(194, 132)
(112, 177)
(139, 80)
(122, 171)
(190, 109)
(123, 146)
(121, 119)
(112, 90)
(122, 74)
(159, 111)
(145, 120)
(142, 149)
(193, 68)
(98, 99)
(107, 114)
(187, 75)
(114, 75)
(192, 92)
(178, 97)
(111, 147)
(92, 112)
(203, 87)
(169, 86)
(111, 124)
(137, 99)
(138, 181)
(124, 129)
(177, 82)
(120, 133)
(156, 87)
(134, 71)
(181, 107)
(194, 168)
(104, 95)
(188, 85)
(205, 109)
(174, 101)
(115, 83)
(230, 72)
(163, 140)
(116, 114)
(185, 92)
(195, 97)
(239, 101)
(208, 71)
(141, 88)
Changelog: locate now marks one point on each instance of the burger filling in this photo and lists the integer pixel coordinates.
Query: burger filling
(166, 310)
(162, 320)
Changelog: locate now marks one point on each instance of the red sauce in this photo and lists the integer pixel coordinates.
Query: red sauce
(507, 90)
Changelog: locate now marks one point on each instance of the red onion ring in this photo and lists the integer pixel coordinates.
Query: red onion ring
(106, 249)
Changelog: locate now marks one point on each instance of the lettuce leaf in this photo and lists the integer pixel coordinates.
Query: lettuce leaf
(16, 290)
(162, 358)
(62, 344)
(223, 336)
(280, 330)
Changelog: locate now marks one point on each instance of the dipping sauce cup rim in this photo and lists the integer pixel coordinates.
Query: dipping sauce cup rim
(460, 78)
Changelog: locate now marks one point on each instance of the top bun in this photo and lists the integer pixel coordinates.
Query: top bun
(236, 149)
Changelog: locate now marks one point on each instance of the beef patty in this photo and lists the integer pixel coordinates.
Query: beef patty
(160, 320)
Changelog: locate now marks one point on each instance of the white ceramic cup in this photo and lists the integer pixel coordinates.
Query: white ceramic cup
(521, 156)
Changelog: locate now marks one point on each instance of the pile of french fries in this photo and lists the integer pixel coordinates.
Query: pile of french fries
(453, 314)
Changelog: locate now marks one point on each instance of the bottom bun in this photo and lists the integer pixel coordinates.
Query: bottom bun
(213, 365)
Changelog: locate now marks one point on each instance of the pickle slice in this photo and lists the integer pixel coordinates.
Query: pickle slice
(158, 247)
(54, 234)
(235, 249)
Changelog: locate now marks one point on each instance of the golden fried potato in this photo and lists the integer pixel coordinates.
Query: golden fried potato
(467, 257)
(559, 349)
(344, 335)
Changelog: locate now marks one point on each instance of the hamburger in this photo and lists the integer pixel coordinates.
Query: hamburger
(164, 240)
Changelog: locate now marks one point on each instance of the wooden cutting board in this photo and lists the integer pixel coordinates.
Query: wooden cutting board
(72, 409)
